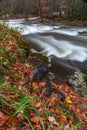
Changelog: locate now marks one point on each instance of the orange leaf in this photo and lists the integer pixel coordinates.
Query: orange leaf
(63, 117)
(35, 119)
(8, 48)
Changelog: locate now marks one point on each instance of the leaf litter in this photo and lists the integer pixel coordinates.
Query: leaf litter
(23, 102)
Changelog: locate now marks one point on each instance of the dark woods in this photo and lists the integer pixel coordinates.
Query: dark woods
(69, 9)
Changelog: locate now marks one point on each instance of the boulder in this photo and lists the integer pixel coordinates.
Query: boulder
(79, 82)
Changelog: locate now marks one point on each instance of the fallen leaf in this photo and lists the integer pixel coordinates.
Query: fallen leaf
(38, 127)
(52, 120)
(8, 47)
(21, 82)
(68, 101)
(63, 117)
(34, 119)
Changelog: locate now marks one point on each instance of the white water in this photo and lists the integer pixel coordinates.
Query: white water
(25, 29)
(59, 47)
(20, 25)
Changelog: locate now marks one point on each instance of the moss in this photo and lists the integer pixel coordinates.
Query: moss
(41, 58)
(13, 49)
(13, 46)
(78, 81)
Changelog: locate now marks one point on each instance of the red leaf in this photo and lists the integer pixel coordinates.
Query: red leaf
(34, 119)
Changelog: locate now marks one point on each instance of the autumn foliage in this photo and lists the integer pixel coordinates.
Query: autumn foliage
(23, 102)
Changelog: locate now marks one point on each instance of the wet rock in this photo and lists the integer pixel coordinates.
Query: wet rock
(84, 33)
(39, 73)
(34, 61)
(78, 81)
(27, 53)
(41, 58)
(49, 88)
(60, 95)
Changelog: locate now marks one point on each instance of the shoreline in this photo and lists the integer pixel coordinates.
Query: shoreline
(29, 100)
(68, 22)
(53, 20)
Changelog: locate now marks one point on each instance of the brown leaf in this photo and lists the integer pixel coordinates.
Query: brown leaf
(1, 115)
(38, 127)
(20, 116)
(35, 119)
(8, 47)
(12, 128)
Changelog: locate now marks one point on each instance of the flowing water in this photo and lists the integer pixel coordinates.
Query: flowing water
(66, 45)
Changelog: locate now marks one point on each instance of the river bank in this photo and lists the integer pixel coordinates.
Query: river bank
(26, 99)
(69, 22)
(64, 44)
(53, 20)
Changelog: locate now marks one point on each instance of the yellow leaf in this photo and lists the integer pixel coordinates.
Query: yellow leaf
(68, 101)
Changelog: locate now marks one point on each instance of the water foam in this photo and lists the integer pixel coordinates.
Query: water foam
(61, 49)
(24, 29)
(51, 46)
(67, 32)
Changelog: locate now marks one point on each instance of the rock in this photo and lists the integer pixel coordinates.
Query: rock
(78, 81)
(39, 73)
(41, 58)
(60, 95)
(84, 33)
(49, 88)
(34, 61)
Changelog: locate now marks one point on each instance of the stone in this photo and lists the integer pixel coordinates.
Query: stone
(78, 82)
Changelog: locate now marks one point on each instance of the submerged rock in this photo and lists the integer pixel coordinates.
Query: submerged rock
(84, 33)
(78, 81)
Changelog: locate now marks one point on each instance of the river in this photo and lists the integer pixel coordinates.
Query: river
(66, 45)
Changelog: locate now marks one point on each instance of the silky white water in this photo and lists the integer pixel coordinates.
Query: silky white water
(60, 46)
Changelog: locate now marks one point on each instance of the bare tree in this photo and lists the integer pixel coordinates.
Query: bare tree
(72, 9)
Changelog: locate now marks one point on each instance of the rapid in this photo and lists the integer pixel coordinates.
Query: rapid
(65, 45)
